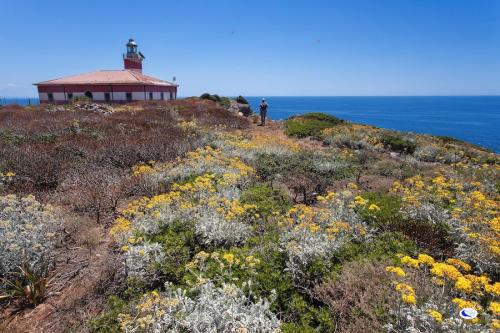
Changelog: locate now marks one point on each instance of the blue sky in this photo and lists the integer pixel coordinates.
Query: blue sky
(261, 48)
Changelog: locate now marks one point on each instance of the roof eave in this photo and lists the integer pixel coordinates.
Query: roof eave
(105, 84)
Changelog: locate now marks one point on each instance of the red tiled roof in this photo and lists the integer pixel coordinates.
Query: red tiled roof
(108, 77)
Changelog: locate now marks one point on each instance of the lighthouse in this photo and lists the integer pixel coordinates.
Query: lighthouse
(132, 60)
(110, 86)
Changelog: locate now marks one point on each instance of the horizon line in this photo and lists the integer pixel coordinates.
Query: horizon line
(267, 96)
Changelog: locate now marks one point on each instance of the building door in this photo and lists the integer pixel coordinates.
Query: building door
(50, 97)
(107, 97)
(129, 97)
(88, 94)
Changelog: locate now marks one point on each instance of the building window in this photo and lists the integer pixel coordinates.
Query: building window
(161, 96)
(70, 96)
(107, 97)
(151, 96)
(51, 97)
(171, 95)
(129, 97)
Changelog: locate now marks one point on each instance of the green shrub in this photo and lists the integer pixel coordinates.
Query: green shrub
(326, 118)
(270, 277)
(448, 139)
(179, 245)
(407, 171)
(398, 144)
(310, 124)
(242, 100)
(307, 318)
(214, 97)
(108, 322)
(11, 137)
(389, 209)
(214, 267)
(384, 246)
(267, 199)
(299, 313)
(269, 165)
(225, 102)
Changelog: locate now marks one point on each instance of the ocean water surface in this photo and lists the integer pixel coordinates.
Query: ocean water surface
(475, 119)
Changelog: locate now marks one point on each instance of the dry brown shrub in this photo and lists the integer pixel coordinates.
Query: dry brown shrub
(359, 298)
(210, 113)
(43, 147)
(95, 191)
(305, 186)
(436, 238)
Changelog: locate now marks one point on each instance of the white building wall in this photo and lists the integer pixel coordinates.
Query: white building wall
(119, 96)
(98, 96)
(138, 96)
(43, 96)
(115, 96)
(59, 97)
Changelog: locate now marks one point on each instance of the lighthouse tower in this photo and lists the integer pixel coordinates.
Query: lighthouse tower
(133, 59)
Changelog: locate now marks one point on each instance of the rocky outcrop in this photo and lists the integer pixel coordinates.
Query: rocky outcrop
(244, 109)
(94, 107)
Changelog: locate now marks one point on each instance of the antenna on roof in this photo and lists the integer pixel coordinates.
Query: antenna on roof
(142, 55)
(174, 79)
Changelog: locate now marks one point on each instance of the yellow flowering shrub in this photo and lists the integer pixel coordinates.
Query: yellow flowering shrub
(436, 315)
(6, 178)
(316, 232)
(409, 261)
(236, 266)
(142, 169)
(440, 290)
(467, 208)
(407, 293)
(396, 270)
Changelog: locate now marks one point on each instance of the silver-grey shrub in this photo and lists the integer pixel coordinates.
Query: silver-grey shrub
(27, 235)
(212, 309)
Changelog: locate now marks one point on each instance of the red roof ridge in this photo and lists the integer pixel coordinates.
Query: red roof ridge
(108, 76)
(63, 77)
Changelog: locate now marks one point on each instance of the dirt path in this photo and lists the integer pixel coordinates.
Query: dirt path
(276, 129)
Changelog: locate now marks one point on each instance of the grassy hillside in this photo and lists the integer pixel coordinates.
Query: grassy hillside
(183, 217)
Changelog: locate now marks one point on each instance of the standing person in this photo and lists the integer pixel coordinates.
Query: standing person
(263, 111)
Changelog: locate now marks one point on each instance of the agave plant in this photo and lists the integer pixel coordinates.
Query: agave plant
(29, 286)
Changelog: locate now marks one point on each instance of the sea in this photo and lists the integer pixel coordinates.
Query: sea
(475, 119)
